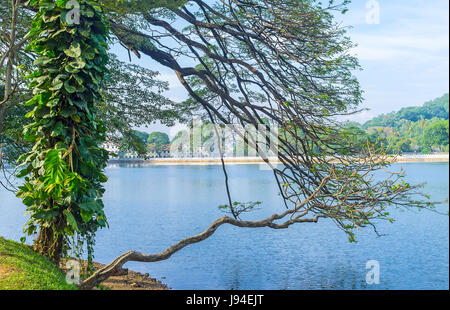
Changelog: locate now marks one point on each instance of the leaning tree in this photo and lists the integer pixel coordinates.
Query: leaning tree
(243, 62)
(262, 62)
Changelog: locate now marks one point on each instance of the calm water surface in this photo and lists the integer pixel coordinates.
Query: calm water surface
(151, 207)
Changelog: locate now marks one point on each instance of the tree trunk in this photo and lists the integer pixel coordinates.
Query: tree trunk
(2, 118)
(9, 68)
(49, 243)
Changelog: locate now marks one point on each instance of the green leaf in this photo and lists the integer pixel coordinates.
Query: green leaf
(90, 206)
(86, 215)
(70, 89)
(28, 201)
(41, 61)
(74, 50)
(71, 221)
(76, 118)
(78, 63)
(57, 86)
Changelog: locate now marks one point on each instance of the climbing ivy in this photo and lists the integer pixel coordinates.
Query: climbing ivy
(63, 172)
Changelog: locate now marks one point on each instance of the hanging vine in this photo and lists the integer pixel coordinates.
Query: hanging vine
(64, 170)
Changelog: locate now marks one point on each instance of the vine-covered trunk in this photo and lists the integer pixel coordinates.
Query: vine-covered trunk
(49, 243)
(64, 170)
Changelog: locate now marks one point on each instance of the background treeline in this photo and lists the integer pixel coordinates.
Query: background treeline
(422, 129)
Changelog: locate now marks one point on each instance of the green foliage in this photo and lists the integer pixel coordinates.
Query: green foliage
(123, 7)
(125, 107)
(141, 135)
(133, 98)
(134, 140)
(436, 134)
(63, 171)
(398, 145)
(411, 129)
(438, 107)
(159, 140)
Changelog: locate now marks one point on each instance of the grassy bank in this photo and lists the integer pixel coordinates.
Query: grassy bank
(23, 269)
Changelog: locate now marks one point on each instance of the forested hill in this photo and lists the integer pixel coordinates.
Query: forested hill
(413, 129)
(438, 108)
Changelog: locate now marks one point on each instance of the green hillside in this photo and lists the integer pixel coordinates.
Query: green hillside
(412, 129)
(437, 108)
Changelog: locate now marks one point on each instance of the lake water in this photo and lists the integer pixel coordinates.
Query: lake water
(151, 207)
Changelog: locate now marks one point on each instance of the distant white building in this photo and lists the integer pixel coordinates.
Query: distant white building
(165, 152)
(111, 146)
(130, 155)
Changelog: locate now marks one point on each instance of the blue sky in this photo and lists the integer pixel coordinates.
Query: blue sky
(404, 57)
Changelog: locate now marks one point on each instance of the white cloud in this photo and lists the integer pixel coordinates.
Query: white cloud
(414, 31)
(171, 78)
(176, 92)
(405, 46)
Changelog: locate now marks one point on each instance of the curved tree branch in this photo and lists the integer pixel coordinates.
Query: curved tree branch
(115, 267)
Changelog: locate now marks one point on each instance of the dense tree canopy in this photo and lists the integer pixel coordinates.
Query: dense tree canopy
(436, 134)
(159, 140)
(438, 108)
(133, 94)
(412, 129)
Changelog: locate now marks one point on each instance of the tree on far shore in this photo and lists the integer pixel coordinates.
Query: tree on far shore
(159, 140)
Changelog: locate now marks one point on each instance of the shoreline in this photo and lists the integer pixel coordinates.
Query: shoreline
(133, 280)
(254, 161)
